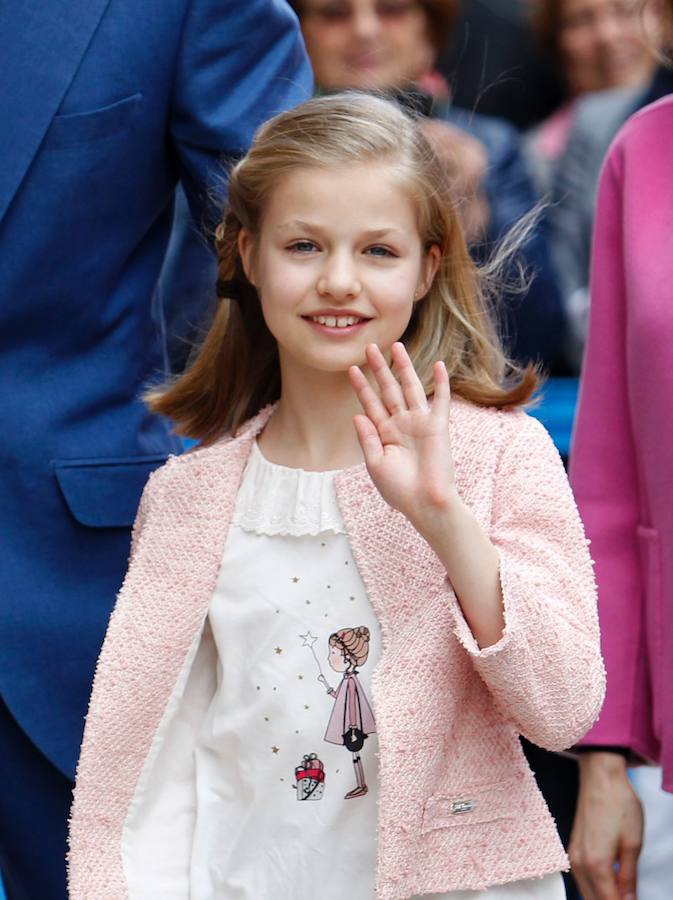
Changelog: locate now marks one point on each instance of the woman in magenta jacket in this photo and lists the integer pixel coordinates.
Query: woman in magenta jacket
(622, 474)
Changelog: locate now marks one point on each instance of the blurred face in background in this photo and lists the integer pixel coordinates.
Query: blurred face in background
(366, 44)
(601, 44)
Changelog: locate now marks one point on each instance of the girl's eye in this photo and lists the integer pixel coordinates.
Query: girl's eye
(377, 250)
(302, 246)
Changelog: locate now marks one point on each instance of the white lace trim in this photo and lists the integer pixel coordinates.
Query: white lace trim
(276, 500)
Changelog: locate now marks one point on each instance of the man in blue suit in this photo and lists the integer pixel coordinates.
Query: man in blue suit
(104, 106)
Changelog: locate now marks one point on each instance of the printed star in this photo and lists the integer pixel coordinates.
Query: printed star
(274, 749)
(308, 639)
(278, 651)
(300, 677)
(306, 706)
(295, 579)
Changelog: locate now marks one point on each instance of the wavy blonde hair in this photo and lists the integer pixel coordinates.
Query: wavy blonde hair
(236, 370)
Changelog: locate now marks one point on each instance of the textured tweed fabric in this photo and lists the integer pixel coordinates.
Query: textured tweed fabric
(459, 807)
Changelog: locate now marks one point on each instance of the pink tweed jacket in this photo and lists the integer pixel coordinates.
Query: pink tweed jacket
(458, 807)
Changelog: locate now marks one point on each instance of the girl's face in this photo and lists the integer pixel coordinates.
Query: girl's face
(338, 264)
(602, 44)
(366, 44)
(336, 659)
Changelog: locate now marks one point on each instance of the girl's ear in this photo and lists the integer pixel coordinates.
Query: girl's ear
(430, 264)
(246, 249)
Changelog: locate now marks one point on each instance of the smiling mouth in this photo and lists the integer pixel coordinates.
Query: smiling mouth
(337, 321)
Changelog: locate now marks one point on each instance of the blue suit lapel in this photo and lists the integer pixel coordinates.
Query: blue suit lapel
(43, 43)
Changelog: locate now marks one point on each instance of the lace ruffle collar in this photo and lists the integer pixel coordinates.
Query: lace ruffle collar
(277, 500)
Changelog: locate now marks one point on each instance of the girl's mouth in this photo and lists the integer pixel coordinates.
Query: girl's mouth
(336, 321)
(342, 325)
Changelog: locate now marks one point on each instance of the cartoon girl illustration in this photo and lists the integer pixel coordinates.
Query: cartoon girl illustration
(352, 719)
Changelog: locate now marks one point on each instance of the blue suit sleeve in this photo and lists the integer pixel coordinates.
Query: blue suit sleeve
(239, 63)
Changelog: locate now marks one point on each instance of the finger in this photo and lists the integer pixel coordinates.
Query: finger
(391, 392)
(597, 881)
(412, 389)
(369, 440)
(369, 399)
(627, 876)
(441, 399)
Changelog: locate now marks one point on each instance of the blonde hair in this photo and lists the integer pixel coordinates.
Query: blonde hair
(236, 370)
(354, 642)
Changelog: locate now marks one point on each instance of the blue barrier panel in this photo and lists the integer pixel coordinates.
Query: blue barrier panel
(556, 410)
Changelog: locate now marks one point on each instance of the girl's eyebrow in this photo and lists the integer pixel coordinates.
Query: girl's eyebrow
(372, 234)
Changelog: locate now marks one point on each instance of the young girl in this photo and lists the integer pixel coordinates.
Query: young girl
(444, 526)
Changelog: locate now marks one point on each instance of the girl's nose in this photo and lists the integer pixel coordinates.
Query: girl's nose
(339, 280)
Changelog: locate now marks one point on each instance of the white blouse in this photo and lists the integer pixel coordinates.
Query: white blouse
(276, 794)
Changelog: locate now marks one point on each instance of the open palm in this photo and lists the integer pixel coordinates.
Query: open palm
(405, 438)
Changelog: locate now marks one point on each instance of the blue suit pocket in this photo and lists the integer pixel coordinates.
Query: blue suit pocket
(74, 129)
(105, 493)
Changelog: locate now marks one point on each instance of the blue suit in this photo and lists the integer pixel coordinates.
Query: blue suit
(104, 105)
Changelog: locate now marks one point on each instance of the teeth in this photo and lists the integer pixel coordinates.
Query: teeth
(336, 321)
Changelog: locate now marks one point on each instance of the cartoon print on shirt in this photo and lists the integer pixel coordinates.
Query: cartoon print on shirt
(352, 719)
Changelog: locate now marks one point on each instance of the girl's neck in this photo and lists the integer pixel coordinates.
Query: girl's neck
(312, 427)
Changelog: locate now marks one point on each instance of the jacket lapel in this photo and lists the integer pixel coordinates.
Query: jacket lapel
(43, 42)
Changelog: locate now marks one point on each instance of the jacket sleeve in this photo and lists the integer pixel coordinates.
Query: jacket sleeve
(545, 673)
(603, 472)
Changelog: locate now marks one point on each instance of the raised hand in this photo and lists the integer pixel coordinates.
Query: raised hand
(404, 438)
(405, 441)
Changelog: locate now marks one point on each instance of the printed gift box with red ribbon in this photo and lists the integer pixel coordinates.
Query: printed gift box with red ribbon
(310, 778)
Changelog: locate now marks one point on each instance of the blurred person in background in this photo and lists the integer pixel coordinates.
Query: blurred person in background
(105, 105)
(597, 118)
(392, 46)
(621, 468)
(597, 45)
